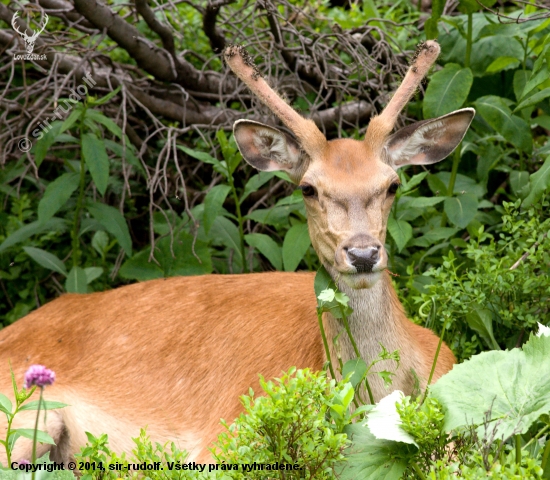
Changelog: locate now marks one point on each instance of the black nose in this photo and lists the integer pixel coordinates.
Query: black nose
(363, 259)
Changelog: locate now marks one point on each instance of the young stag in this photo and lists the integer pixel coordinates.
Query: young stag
(175, 354)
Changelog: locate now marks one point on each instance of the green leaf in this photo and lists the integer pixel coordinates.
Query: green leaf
(481, 321)
(539, 183)
(533, 99)
(184, 261)
(5, 404)
(56, 195)
(41, 436)
(204, 157)
(97, 161)
(92, 273)
(128, 155)
(41, 147)
(71, 119)
(370, 458)
(213, 202)
(433, 236)
(511, 385)
(100, 240)
(447, 90)
(461, 209)
(519, 182)
(414, 181)
(295, 246)
(267, 247)
(430, 26)
(114, 223)
(34, 228)
(400, 231)
(44, 405)
(357, 368)
(76, 281)
(46, 259)
(226, 233)
(106, 98)
(255, 183)
(425, 202)
(520, 80)
(502, 63)
(98, 117)
(498, 115)
(436, 185)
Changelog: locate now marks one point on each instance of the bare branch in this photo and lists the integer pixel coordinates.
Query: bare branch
(214, 34)
(161, 30)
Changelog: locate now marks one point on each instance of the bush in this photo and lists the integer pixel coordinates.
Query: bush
(290, 425)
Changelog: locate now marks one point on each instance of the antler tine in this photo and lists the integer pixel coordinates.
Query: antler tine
(14, 25)
(311, 138)
(382, 125)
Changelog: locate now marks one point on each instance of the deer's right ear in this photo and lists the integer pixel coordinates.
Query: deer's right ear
(269, 149)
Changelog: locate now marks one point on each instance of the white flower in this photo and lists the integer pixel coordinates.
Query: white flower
(384, 421)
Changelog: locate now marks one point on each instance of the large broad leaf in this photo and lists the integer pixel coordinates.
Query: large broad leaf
(213, 203)
(295, 246)
(400, 231)
(267, 247)
(512, 385)
(447, 90)
(384, 421)
(34, 228)
(46, 259)
(114, 223)
(461, 209)
(183, 262)
(97, 161)
(434, 236)
(56, 195)
(44, 405)
(356, 368)
(5, 404)
(372, 459)
(538, 183)
(496, 113)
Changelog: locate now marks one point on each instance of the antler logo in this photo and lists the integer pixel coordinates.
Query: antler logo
(29, 39)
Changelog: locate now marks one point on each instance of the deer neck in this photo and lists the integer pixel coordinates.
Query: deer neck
(377, 319)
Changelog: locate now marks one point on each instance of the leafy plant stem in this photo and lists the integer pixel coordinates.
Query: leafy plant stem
(325, 343)
(356, 350)
(468, 41)
(76, 220)
(452, 180)
(239, 217)
(36, 430)
(518, 448)
(416, 468)
(437, 350)
(545, 455)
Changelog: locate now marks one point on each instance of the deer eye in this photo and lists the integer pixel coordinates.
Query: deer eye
(308, 190)
(393, 188)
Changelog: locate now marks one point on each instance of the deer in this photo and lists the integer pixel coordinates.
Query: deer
(29, 40)
(175, 354)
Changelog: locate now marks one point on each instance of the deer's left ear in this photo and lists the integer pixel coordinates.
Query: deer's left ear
(428, 141)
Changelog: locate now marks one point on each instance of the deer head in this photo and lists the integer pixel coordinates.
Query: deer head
(348, 185)
(29, 40)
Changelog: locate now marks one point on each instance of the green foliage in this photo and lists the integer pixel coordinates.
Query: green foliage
(21, 397)
(501, 287)
(99, 462)
(291, 425)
